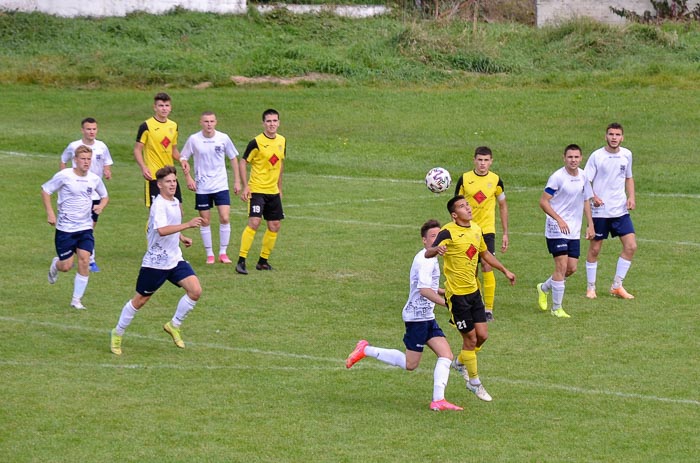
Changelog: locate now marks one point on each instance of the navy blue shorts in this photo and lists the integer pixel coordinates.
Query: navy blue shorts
(68, 242)
(150, 279)
(419, 333)
(562, 246)
(266, 206)
(206, 201)
(614, 226)
(465, 310)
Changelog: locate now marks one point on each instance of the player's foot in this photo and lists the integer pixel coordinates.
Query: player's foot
(541, 297)
(94, 267)
(479, 391)
(53, 271)
(175, 334)
(439, 405)
(223, 258)
(620, 292)
(263, 266)
(76, 304)
(240, 268)
(115, 343)
(460, 368)
(590, 293)
(489, 316)
(357, 354)
(210, 260)
(560, 313)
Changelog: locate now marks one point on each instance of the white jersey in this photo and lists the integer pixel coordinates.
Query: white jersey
(163, 251)
(209, 162)
(568, 192)
(100, 157)
(425, 273)
(608, 172)
(75, 195)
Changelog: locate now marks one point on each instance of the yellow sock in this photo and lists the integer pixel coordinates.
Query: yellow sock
(268, 244)
(477, 349)
(489, 289)
(247, 238)
(468, 359)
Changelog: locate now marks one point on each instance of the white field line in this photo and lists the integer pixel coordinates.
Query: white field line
(338, 364)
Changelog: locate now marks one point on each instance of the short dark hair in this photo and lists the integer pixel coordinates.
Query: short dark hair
(88, 120)
(267, 112)
(615, 125)
(430, 224)
(451, 203)
(162, 96)
(165, 171)
(573, 147)
(482, 150)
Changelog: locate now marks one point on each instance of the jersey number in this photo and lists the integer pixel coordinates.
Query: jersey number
(255, 209)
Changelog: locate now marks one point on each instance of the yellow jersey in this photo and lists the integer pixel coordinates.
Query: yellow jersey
(265, 156)
(461, 258)
(482, 192)
(158, 139)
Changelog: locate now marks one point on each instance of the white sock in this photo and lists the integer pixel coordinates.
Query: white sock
(391, 357)
(183, 308)
(224, 237)
(206, 239)
(557, 293)
(441, 375)
(79, 286)
(128, 313)
(92, 256)
(591, 270)
(547, 285)
(623, 266)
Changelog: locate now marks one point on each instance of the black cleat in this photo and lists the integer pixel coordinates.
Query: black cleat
(265, 266)
(240, 268)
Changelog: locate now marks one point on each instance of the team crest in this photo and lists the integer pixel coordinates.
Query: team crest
(89, 190)
(274, 159)
(472, 251)
(479, 197)
(218, 149)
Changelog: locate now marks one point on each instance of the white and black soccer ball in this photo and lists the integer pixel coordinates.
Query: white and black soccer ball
(438, 180)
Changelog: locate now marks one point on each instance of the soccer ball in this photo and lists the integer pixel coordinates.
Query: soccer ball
(438, 180)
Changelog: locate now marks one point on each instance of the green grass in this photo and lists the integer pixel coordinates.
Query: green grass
(262, 378)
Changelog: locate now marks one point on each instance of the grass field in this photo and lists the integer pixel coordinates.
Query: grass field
(262, 378)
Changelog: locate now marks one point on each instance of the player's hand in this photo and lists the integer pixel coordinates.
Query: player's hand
(563, 226)
(146, 174)
(195, 222)
(51, 219)
(245, 194)
(191, 184)
(186, 241)
(511, 276)
(631, 204)
(590, 233)
(185, 166)
(97, 209)
(441, 250)
(597, 202)
(236, 188)
(504, 242)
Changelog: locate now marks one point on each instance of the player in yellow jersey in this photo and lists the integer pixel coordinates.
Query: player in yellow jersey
(461, 245)
(263, 190)
(483, 189)
(156, 147)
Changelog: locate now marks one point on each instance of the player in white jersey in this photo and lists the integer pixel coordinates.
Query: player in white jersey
(100, 166)
(565, 198)
(209, 149)
(163, 262)
(609, 169)
(75, 187)
(421, 327)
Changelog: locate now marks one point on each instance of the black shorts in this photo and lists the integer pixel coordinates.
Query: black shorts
(152, 191)
(465, 310)
(267, 206)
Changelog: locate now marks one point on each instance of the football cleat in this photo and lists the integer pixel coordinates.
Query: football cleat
(240, 268)
(94, 268)
(53, 271)
(115, 343)
(263, 266)
(590, 293)
(479, 391)
(76, 304)
(621, 293)
(460, 368)
(223, 258)
(489, 316)
(175, 334)
(357, 354)
(210, 260)
(439, 405)
(560, 313)
(541, 297)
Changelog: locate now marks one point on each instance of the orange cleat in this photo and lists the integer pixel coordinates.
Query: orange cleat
(357, 354)
(621, 293)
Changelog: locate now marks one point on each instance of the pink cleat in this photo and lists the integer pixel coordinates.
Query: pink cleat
(439, 405)
(590, 294)
(621, 293)
(357, 354)
(223, 258)
(210, 260)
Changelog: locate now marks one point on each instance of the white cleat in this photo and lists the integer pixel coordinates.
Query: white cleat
(479, 391)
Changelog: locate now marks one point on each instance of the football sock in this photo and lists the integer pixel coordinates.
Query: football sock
(247, 238)
(623, 266)
(128, 313)
(547, 285)
(92, 256)
(79, 286)
(184, 306)
(591, 269)
(441, 375)
(268, 244)
(557, 293)
(468, 359)
(224, 237)
(391, 357)
(206, 239)
(489, 289)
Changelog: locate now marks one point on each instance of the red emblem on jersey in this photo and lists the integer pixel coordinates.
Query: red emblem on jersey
(165, 142)
(472, 251)
(274, 159)
(479, 197)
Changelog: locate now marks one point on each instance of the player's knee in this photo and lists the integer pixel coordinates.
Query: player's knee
(195, 293)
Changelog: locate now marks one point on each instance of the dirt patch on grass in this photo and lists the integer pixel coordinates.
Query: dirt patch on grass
(311, 77)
